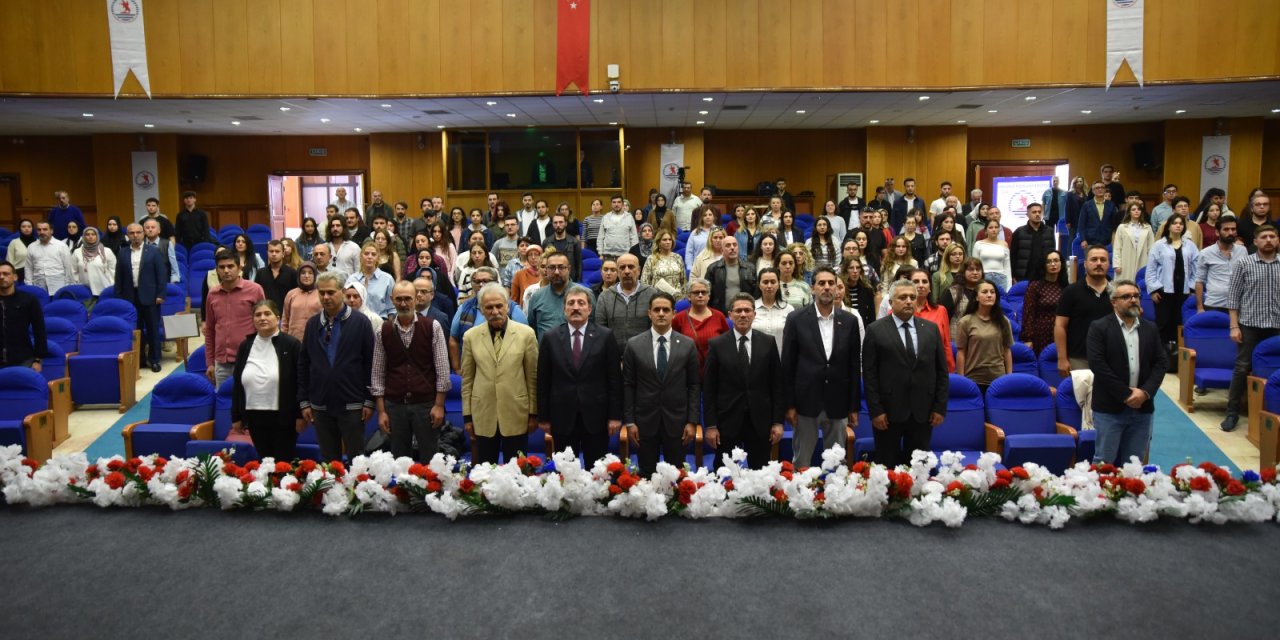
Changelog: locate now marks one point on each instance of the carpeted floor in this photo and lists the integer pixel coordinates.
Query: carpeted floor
(80, 571)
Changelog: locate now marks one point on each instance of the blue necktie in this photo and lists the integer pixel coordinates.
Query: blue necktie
(662, 356)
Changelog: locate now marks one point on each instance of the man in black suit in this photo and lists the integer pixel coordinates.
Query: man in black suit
(906, 378)
(579, 381)
(1129, 362)
(742, 388)
(660, 388)
(821, 370)
(141, 278)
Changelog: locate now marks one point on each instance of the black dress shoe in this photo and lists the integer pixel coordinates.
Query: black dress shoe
(155, 366)
(1229, 423)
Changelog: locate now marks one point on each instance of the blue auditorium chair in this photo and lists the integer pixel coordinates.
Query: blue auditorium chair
(69, 310)
(104, 370)
(588, 253)
(1048, 363)
(1269, 421)
(1024, 359)
(1022, 425)
(77, 292)
(1017, 294)
(61, 331)
(38, 292)
(118, 308)
(964, 429)
(108, 293)
(1070, 414)
(227, 234)
(195, 362)
(591, 264)
(1266, 361)
(25, 417)
(182, 408)
(242, 452)
(1188, 308)
(54, 370)
(1207, 356)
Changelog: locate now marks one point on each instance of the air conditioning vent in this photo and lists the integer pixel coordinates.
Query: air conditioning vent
(734, 107)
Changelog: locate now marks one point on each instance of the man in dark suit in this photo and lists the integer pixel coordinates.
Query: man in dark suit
(742, 388)
(660, 388)
(905, 378)
(1128, 362)
(579, 381)
(821, 370)
(141, 279)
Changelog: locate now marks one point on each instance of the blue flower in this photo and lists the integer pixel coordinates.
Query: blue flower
(1251, 476)
(1151, 468)
(549, 466)
(392, 483)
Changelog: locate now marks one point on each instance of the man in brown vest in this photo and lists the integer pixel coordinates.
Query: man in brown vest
(410, 376)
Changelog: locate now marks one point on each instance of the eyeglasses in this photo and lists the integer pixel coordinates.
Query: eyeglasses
(699, 293)
(556, 267)
(1127, 296)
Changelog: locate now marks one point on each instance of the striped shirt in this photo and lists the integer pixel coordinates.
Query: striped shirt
(1255, 292)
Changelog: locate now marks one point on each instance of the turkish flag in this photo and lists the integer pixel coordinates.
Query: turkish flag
(573, 44)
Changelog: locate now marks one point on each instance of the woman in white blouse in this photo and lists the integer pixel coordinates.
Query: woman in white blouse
(771, 309)
(994, 254)
(1131, 245)
(263, 398)
(95, 263)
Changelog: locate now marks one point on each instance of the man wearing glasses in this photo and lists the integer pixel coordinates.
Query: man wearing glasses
(1128, 363)
(469, 311)
(546, 306)
(1098, 220)
(409, 376)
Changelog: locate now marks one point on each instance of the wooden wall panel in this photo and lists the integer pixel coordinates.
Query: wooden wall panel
(231, 47)
(968, 42)
(238, 165)
(265, 55)
(402, 171)
(298, 47)
(45, 164)
(1183, 147)
(740, 159)
(1270, 179)
(708, 46)
(195, 47)
(742, 43)
(937, 154)
(1085, 147)
(643, 159)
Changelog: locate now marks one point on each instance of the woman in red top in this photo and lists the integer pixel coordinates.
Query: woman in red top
(699, 321)
(937, 314)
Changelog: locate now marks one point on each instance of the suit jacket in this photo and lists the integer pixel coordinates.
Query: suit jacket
(729, 390)
(716, 276)
(1110, 363)
(593, 389)
(500, 391)
(153, 280)
(894, 384)
(898, 216)
(655, 403)
(813, 382)
(1091, 229)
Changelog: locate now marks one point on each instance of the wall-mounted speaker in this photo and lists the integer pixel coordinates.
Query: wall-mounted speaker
(195, 169)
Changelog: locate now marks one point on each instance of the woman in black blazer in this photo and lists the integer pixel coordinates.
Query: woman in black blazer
(264, 396)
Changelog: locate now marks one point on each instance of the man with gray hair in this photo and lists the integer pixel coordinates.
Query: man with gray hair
(322, 257)
(410, 376)
(334, 372)
(624, 307)
(499, 380)
(905, 378)
(469, 310)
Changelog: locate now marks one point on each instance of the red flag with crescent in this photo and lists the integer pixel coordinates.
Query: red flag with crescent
(573, 44)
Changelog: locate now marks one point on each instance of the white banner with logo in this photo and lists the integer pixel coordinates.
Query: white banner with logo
(145, 184)
(1124, 37)
(672, 159)
(1215, 153)
(128, 43)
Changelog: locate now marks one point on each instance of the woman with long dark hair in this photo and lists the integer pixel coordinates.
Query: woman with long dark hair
(822, 245)
(859, 296)
(955, 299)
(1171, 276)
(308, 238)
(984, 340)
(1040, 304)
(1131, 244)
(249, 259)
(17, 253)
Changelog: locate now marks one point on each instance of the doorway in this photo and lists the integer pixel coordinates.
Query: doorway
(1011, 185)
(295, 195)
(10, 199)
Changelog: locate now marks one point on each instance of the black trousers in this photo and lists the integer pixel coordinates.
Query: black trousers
(407, 422)
(660, 441)
(337, 431)
(487, 449)
(273, 435)
(149, 324)
(895, 444)
(738, 431)
(592, 443)
(1169, 315)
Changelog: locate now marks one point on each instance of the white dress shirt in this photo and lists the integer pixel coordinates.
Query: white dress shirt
(772, 320)
(1130, 335)
(827, 329)
(911, 327)
(737, 340)
(668, 335)
(261, 378)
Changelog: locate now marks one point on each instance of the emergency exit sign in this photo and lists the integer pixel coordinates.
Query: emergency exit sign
(1021, 143)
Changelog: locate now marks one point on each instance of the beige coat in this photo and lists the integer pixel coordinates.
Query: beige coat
(499, 391)
(1127, 258)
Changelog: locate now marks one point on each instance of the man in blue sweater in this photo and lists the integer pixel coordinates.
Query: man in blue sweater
(334, 371)
(63, 213)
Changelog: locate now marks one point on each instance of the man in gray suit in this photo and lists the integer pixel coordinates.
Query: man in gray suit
(905, 378)
(660, 388)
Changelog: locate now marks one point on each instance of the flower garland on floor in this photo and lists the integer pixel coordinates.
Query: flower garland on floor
(931, 489)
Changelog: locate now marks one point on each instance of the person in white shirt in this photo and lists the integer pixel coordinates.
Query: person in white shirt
(527, 214)
(346, 255)
(938, 205)
(771, 309)
(49, 263)
(684, 205)
(95, 263)
(994, 254)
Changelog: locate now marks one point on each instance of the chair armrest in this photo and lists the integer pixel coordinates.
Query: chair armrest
(548, 443)
(1067, 430)
(1186, 378)
(624, 445)
(127, 434)
(850, 438)
(127, 362)
(995, 438)
(60, 404)
(202, 431)
(38, 430)
(1268, 437)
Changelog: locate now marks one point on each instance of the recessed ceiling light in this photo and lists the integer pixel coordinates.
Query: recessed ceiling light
(235, 122)
(1086, 111)
(1046, 122)
(800, 111)
(324, 120)
(490, 102)
(613, 124)
(874, 121)
(285, 108)
(703, 112)
(961, 121)
(1180, 111)
(708, 99)
(511, 115)
(439, 126)
(87, 115)
(149, 126)
(923, 98)
(358, 129)
(701, 122)
(1275, 111)
(598, 100)
(1029, 98)
(993, 111)
(386, 106)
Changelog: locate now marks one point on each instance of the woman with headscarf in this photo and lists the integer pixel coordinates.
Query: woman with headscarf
(74, 236)
(113, 236)
(95, 264)
(644, 248)
(301, 303)
(355, 295)
(17, 254)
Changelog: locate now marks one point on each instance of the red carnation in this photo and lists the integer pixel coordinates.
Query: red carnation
(146, 473)
(615, 467)
(971, 467)
(466, 485)
(337, 468)
(185, 490)
(1208, 466)
(1221, 476)
(182, 476)
(230, 469)
(788, 475)
(1020, 473)
(819, 497)
(1268, 475)
(1106, 468)
(1235, 488)
(955, 487)
(307, 466)
(160, 462)
(1004, 474)
(1000, 483)
(400, 494)
(1134, 485)
(91, 471)
(433, 486)
(31, 463)
(362, 477)
(115, 465)
(902, 485)
(728, 485)
(861, 468)
(787, 466)
(534, 461)
(626, 481)
(779, 495)
(1200, 483)
(615, 489)
(418, 469)
(115, 480)
(246, 477)
(253, 465)
(283, 467)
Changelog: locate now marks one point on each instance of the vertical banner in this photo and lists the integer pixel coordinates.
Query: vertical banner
(1215, 151)
(1125, 25)
(573, 44)
(672, 158)
(144, 182)
(128, 43)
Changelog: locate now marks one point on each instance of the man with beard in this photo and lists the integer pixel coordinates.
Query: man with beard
(410, 376)
(1128, 362)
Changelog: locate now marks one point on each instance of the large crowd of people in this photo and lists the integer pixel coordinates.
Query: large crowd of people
(689, 313)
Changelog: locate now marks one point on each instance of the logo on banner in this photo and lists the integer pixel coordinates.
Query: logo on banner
(1215, 164)
(124, 10)
(1020, 200)
(145, 180)
(670, 171)
(1123, 4)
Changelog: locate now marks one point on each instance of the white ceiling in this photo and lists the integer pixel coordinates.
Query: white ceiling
(761, 110)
